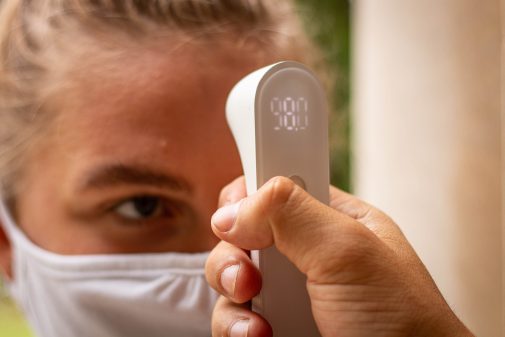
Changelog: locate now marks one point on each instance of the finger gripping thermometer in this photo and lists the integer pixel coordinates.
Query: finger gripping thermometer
(279, 119)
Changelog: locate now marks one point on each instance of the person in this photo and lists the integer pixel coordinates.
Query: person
(113, 153)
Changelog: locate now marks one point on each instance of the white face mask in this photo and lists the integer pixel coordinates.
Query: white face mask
(151, 295)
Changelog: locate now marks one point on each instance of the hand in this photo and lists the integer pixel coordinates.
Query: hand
(363, 277)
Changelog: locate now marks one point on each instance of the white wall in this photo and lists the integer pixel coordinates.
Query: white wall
(427, 139)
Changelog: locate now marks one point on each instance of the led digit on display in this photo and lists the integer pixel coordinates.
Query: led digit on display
(290, 114)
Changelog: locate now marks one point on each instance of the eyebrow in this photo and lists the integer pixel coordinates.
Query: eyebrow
(120, 174)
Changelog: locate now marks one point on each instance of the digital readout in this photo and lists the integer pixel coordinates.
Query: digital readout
(290, 113)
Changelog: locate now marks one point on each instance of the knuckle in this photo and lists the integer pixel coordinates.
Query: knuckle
(232, 192)
(218, 326)
(352, 256)
(224, 194)
(281, 190)
(357, 245)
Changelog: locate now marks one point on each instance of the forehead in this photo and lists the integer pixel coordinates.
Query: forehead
(172, 81)
(162, 102)
(172, 69)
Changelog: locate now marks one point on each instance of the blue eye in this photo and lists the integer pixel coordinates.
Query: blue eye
(139, 208)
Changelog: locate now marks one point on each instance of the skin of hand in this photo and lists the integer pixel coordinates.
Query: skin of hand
(363, 277)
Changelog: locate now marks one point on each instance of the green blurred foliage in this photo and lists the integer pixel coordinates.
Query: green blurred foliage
(328, 23)
(12, 323)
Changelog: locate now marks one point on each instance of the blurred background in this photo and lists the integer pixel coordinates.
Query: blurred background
(426, 140)
(426, 136)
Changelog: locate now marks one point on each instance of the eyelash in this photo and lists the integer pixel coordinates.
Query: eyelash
(164, 208)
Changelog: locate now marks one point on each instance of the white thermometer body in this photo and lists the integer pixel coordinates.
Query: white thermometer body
(279, 119)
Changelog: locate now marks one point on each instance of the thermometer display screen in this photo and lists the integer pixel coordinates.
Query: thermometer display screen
(291, 101)
(290, 113)
(292, 127)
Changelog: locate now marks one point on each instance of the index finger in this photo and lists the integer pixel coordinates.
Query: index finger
(232, 192)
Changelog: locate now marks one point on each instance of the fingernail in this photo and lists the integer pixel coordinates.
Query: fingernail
(240, 328)
(229, 278)
(224, 218)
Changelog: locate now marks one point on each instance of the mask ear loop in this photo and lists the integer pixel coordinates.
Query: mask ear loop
(7, 222)
(9, 288)
(14, 233)
(7, 226)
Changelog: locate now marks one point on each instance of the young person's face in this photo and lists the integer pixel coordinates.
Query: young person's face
(138, 154)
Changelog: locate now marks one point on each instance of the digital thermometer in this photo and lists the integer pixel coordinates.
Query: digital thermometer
(279, 119)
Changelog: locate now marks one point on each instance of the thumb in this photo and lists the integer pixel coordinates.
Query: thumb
(302, 228)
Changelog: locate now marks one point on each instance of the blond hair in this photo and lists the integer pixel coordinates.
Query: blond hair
(31, 31)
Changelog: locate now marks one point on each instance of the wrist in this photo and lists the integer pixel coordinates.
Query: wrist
(445, 324)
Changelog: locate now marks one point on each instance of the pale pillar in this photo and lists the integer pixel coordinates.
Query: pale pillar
(503, 156)
(427, 139)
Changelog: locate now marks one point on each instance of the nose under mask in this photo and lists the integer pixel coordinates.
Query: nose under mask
(127, 295)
